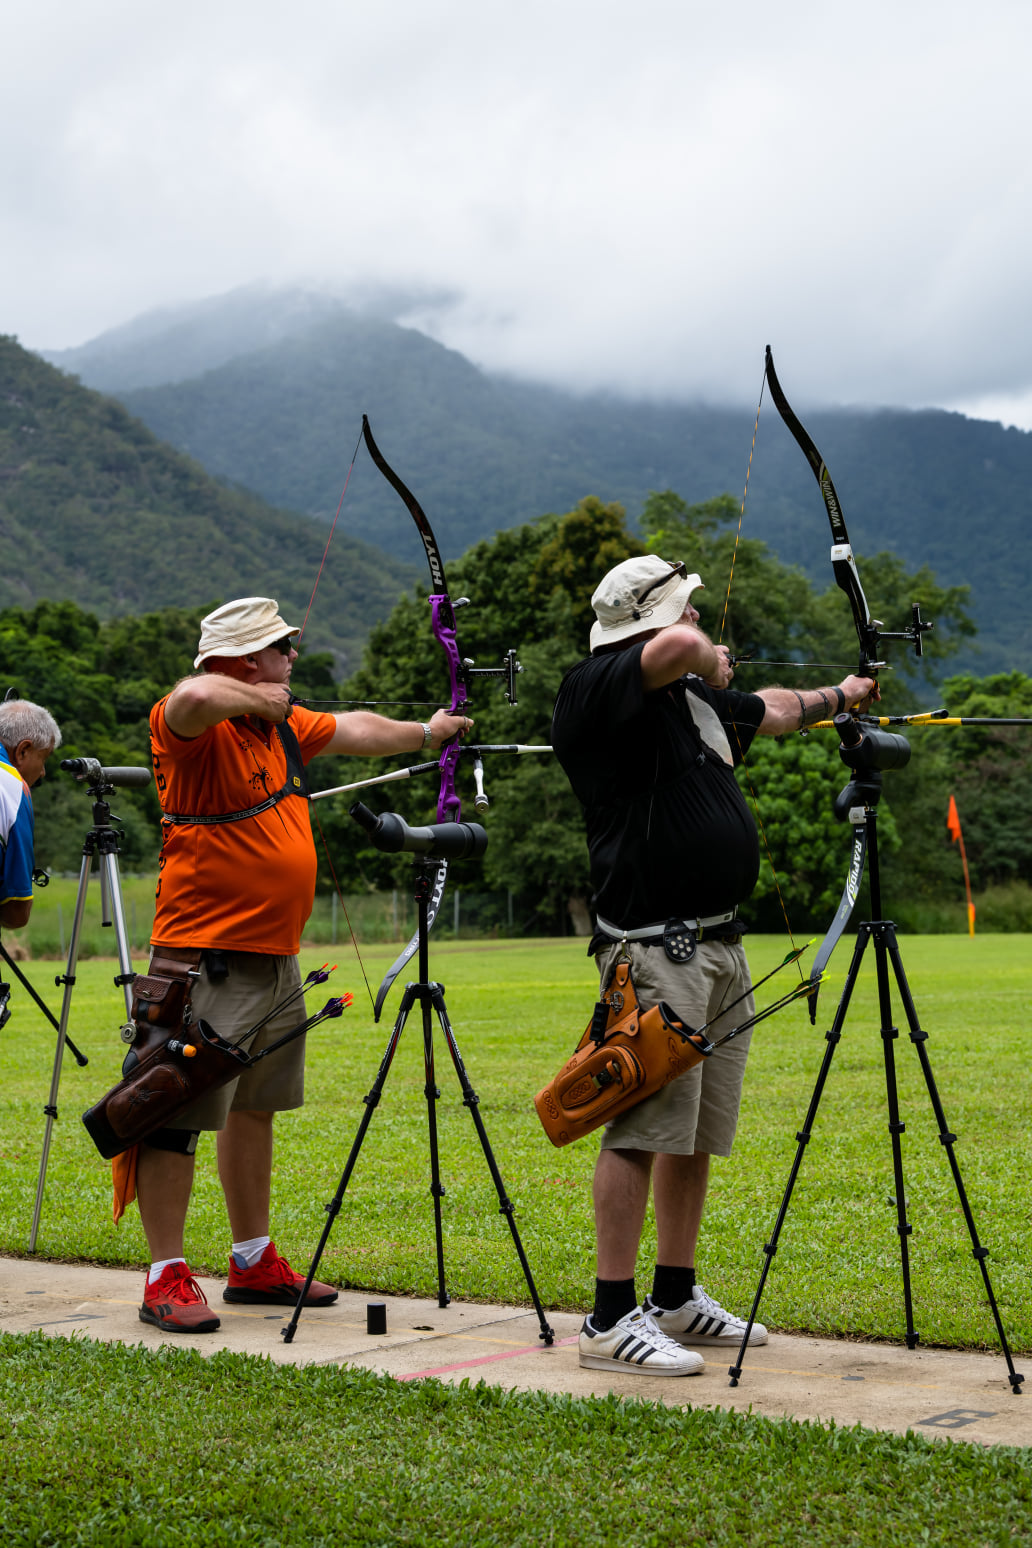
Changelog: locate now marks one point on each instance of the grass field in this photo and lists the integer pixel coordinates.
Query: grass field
(111, 1447)
(129, 1448)
(517, 1009)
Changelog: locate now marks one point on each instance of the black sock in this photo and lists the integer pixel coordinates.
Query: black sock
(614, 1298)
(671, 1287)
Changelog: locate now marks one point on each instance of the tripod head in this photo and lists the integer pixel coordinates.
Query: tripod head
(868, 751)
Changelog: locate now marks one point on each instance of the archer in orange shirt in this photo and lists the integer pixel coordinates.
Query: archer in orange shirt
(236, 883)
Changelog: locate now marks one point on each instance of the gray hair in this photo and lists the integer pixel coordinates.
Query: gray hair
(23, 721)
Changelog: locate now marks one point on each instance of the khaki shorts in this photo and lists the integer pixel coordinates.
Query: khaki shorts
(698, 1110)
(255, 984)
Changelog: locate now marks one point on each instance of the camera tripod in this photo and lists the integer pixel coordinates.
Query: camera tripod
(859, 800)
(102, 841)
(430, 997)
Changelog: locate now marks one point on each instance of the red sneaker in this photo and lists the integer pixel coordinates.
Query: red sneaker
(272, 1282)
(176, 1303)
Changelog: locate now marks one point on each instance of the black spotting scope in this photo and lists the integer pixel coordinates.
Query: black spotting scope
(438, 841)
(89, 771)
(865, 748)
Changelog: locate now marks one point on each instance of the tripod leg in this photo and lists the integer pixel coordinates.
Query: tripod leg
(67, 980)
(803, 1139)
(948, 1140)
(79, 1057)
(505, 1205)
(882, 931)
(371, 1100)
(432, 1092)
(112, 887)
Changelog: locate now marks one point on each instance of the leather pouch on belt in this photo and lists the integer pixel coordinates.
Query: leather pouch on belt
(158, 999)
(625, 1055)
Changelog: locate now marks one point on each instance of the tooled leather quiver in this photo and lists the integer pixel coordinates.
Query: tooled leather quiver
(625, 1055)
(160, 1078)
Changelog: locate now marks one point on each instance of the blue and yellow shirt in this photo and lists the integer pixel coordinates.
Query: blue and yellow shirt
(16, 834)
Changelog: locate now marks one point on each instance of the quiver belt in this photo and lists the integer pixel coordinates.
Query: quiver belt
(173, 1060)
(625, 1055)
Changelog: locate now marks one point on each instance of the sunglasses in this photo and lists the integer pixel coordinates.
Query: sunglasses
(284, 646)
(677, 567)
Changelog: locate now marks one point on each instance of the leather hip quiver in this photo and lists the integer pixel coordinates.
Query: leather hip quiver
(173, 1060)
(625, 1055)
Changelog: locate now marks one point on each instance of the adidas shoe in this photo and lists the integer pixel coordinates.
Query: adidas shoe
(176, 1303)
(272, 1282)
(703, 1321)
(635, 1343)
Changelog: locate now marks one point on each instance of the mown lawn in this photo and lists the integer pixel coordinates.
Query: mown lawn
(517, 1009)
(116, 1447)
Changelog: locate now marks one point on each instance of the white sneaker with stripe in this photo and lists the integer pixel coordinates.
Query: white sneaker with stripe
(702, 1320)
(635, 1343)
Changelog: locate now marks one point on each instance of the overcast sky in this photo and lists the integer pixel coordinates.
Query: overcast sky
(613, 194)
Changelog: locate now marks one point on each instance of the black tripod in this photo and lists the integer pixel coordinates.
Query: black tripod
(430, 996)
(102, 841)
(859, 800)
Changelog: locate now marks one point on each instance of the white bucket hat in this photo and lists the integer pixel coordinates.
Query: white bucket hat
(241, 627)
(639, 594)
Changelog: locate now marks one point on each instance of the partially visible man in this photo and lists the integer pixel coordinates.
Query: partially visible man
(235, 886)
(648, 732)
(28, 735)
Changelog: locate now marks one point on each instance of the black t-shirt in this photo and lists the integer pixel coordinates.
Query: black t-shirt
(669, 832)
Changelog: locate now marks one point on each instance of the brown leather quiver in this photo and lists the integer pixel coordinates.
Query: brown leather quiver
(170, 1064)
(625, 1055)
(164, 1082)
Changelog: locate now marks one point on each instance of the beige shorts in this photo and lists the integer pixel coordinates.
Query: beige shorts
(255, 984)
(698, 1110)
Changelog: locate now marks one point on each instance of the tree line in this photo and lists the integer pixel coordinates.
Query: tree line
(530, 588)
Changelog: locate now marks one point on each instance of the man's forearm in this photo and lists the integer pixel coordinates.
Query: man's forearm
(790, 709)
(362, 733)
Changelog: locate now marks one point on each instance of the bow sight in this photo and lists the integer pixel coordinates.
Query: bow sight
(508, 669)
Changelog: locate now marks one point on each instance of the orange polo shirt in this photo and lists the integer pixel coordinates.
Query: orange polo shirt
(241, 886)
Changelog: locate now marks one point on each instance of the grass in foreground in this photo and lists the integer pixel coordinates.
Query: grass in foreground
(517, 1009)
(131, 1448)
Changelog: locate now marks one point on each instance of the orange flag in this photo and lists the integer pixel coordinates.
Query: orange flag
(953, 824)
(953, 820)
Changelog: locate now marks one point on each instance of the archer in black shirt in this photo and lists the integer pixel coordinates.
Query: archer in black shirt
(648, 731)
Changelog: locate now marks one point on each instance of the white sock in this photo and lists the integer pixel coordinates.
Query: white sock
(248, 1253)
(157, 1269)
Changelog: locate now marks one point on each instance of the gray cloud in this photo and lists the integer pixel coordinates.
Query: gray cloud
(637, 196)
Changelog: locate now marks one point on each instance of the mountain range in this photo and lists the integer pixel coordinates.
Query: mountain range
(266, 389)
(94, 508)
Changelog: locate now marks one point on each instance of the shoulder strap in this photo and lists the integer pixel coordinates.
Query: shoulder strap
(295, 785)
